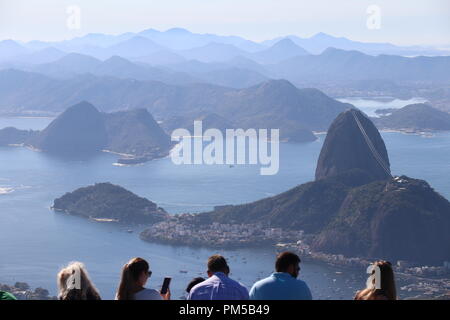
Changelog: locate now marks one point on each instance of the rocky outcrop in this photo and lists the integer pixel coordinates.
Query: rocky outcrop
(78, 130)
(347, 146)
(136, 132)
(354, 207)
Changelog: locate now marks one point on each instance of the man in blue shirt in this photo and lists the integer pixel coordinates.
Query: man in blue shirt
(282, 284)
(218, 286)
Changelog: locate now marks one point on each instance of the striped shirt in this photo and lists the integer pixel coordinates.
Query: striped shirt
(218, 287)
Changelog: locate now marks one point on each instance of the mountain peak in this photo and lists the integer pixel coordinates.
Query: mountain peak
(79, 130)
(322, 36)
(331, 51)
(9, 42)
(276, 84)
(281, 50)
(150, 31)
(353, 142)
(285, 42)
(77, 57)
(178, 31)
(83, 106)
(117, 59)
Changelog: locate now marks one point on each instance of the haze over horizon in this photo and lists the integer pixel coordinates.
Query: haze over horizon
(401, 22)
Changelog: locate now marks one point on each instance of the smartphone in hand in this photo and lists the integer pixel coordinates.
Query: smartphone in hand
(165, 285)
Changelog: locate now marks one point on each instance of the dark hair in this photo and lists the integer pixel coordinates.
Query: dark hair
(130, 275)
(194, 282)
(217, 263)
(387, 291)
(286, 259)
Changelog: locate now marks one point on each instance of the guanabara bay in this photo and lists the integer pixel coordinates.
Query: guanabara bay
(224, 151)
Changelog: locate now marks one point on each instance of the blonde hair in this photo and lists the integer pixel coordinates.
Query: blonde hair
(73, 288)
(387, 290)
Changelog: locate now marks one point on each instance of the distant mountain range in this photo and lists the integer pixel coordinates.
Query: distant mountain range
(194, 45)
(271, 104)
(321, 41)
(226, 65)
(227, 74)
(335, 65)
(355, 209)
(178, 76)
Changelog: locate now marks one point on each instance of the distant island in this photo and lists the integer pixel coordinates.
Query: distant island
(413, 118)
(110, 203)
(12, 136)
(83, 130)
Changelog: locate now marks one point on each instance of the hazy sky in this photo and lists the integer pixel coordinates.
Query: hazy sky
(404, 22)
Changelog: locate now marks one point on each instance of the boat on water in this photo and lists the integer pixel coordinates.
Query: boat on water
(183, 271)
(103, 219)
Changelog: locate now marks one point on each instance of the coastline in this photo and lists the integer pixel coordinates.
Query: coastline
(22, 291)
(411, 286)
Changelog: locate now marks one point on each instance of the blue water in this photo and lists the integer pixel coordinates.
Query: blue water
(35, 242)
(370, 105)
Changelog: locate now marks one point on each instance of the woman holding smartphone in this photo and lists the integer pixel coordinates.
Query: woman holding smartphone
(134, 277)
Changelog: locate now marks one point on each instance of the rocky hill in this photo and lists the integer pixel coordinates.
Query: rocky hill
(417, 116)
(306, 207)
(346, 147)
(83, 130)
(136, 132)
(354, 208)
(78, 130)
(112, 202)
(398, 219)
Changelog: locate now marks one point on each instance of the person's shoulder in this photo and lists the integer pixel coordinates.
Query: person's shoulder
(236, 283)
(205, 283)
(147, 294)
(303, 287)
(265, 281)
(200, 287)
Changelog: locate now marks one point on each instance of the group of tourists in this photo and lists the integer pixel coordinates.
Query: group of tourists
(74, 283)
